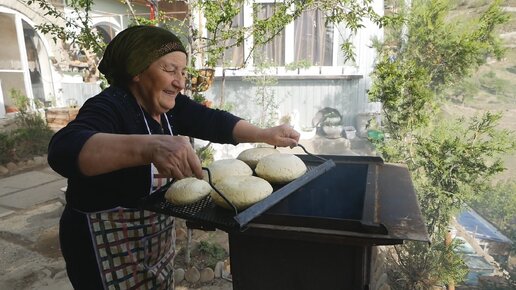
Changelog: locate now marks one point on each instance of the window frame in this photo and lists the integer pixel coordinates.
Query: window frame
(322, 71)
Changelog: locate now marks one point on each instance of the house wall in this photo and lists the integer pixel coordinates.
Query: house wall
(302, 93)
(113, 13)
(301, 96)
(49, 53)
(36, 17)
(76, 94)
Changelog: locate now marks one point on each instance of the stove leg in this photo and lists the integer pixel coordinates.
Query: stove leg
(188, 243)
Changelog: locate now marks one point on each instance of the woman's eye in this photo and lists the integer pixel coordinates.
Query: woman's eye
(174, 72)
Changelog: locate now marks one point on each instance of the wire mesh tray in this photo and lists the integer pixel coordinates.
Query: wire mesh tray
(205, 214)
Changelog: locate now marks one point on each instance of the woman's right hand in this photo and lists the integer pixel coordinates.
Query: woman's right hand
(174, 157)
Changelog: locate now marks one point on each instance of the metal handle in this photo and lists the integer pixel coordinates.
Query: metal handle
(313, 155)
(308, 153)
(220, 193)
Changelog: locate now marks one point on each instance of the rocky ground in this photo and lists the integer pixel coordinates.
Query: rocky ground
(31, 202)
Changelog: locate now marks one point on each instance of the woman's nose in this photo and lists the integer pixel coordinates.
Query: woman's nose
(179, 82)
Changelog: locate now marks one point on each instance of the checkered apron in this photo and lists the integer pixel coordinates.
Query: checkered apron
(135, 248)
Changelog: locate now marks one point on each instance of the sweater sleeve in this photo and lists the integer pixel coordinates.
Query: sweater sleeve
(96, 115)
(192, 119)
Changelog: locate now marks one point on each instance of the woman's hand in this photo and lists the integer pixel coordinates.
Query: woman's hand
(174, 157)
(282, 135)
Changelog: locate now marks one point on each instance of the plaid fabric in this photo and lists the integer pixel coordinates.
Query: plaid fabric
(158, 180)
(135, 248)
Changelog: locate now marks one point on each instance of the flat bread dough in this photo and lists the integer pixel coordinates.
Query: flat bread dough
(242, 191)
(251, 156)
(280, 168)
(187, 190)
(227, 167)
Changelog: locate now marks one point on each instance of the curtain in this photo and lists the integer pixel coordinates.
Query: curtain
(313, 40)
(274, 50)
(234, 55)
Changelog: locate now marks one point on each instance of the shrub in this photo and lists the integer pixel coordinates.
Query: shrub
(29, 142)
(29, 139)
(6, 148)
(212, 252)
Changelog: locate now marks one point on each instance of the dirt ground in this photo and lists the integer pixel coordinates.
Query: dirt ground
(30, 256)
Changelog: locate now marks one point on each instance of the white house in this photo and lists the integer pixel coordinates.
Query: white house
(301, 93)
(51, 71)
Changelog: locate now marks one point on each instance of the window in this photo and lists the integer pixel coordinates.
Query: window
(274, 50)
(24, 62)
(233, 55)
(307, 39)
(313, 39)
(106, 31)
(11, 68)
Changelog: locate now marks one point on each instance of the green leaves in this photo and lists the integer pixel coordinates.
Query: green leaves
(402, 87)
(451, 161)
(31, 136)
(454, 156)
(73, 27)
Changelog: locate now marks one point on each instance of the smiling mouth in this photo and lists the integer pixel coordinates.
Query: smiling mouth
(169, 92)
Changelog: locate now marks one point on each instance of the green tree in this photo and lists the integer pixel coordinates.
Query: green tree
(219, 14)
(73, 26)
(450, 161)
(265, 96)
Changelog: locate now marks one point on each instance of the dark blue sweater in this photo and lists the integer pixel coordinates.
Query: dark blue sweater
(116, 111)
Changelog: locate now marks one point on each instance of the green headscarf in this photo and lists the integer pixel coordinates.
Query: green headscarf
(134, 49)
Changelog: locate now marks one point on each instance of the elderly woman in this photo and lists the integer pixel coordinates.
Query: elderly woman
(115, 148)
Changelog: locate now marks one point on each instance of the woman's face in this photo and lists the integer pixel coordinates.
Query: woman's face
(156, 87)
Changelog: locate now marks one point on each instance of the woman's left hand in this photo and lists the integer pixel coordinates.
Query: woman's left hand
(282, 135)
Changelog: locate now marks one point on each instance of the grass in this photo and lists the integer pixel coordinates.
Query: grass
(212, 252)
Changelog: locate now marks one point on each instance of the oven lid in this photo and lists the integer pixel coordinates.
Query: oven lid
(359, 198)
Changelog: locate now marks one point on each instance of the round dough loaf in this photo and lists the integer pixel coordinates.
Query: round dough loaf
(187, 190)
(280, 168)
(227, 167)
(242, 191)
(253, 155)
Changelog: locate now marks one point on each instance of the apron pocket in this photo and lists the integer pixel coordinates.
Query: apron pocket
(158, 249)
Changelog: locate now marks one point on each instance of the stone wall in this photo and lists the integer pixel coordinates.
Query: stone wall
(57, 118)
(12, 168)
